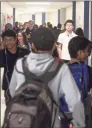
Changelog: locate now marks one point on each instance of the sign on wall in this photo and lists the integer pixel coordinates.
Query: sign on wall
(5, 18)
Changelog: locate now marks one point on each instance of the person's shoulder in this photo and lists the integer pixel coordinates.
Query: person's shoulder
(61, 62)
(18, 65)
(2, 51)
(19, 61)
(73, 63)
(65, 71)
(64, 67)
(61, 37)
(24, 50)
(74, 35)
(74, 67)
(62, 34)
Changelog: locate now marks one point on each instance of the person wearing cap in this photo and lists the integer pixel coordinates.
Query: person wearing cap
(63, 86)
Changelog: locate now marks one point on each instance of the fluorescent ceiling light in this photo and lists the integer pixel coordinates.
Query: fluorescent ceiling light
(36, 9)
(33, 10)
(38, 3)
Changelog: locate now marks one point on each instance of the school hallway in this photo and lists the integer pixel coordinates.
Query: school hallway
(26, 16)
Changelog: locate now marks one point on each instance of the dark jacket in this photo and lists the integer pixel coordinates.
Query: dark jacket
(8, 60)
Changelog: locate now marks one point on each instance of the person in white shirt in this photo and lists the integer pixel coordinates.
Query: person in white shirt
(64, 39)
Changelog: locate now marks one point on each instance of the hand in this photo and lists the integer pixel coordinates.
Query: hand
(1, 45)
(71, 126)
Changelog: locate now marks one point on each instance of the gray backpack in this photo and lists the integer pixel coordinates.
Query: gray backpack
(33, 105)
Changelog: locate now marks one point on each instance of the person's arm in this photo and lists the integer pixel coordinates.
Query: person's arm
(17, 78)
(2, 58)
(72, 126)
(59, 50)
(23, 52)
(13, 83)
(59, 46)
(72, 97)
(1, 45)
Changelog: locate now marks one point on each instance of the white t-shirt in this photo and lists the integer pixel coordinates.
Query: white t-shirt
(64, 40)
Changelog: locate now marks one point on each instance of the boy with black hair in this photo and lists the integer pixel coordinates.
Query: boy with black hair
(8, 57)
(69, 21)
(79, 49)
(64, 39)
(39, 61)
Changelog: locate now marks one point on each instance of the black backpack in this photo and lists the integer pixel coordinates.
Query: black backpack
(33, 105)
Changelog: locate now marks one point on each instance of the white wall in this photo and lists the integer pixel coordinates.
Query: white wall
(69, 12)
(23, 17)
(6, 9)
(47, 17)
(80, 14)
(63, 16)
(38, 18)
(52, 17)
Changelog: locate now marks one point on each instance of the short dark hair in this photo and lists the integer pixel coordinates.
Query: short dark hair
(9, 33)
(78, 43)
(79, 32)
(50, 26)
(59, 25)
(69, 21)
(8, 26)
(43, 39)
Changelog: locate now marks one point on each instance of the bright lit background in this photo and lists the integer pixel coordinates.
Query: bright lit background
(24, 11)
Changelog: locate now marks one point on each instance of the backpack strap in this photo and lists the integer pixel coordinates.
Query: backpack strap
(47, 76)
(50, 73)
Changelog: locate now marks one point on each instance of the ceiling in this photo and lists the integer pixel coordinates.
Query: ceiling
(36, 4)
(28, 6)
(25, 7)
(42, 0)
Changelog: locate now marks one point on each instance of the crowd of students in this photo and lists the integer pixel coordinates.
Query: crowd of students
(43, 45)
